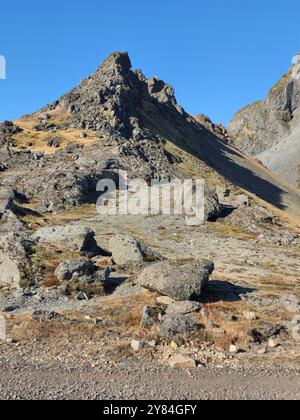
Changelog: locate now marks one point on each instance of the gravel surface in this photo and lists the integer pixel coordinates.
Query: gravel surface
(148, 382)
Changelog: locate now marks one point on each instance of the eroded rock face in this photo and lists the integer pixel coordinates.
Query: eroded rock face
(7, 130)
(269, 130)
(184, 281)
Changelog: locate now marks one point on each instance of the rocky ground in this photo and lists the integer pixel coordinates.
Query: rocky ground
(86, 295)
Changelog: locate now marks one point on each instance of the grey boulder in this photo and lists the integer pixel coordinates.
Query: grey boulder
(127, 250)
(82, 271)
(177, 325)
(181, 281)
(291, 303)
(150, 316)
(182, 308)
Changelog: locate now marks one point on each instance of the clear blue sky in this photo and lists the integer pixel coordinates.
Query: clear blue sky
(219, 55)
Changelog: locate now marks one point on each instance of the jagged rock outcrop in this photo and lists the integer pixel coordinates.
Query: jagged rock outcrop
(269, 130)
(7, 130)
(218, 129)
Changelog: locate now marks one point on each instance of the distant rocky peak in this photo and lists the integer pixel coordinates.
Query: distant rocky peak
(116, 63)
(117, 98)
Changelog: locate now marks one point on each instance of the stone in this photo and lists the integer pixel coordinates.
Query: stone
(164, 300)
(54, 142)
(250, 316)
(150, 316)
(137, 134)
(80, 238)
(14, 249)
(177, 325)
(65, 290)
(296, 333)
(212, 207)
(82, 296)
(182, 362)
(44, 116)
(174, 345)
(10, 272)
(233, 349)
(182, 281)
(182, 308)
(80, 270)
(67, 269)
(126, 250)
(6, 200)
(290, 303)
(273, 343)
(241, 201)
(45, 315)
(204, 313)
(296, 320)
(137, 345)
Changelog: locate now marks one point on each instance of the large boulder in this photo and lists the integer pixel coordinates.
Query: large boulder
(127, 250)
(181, 281)
(80, 270)
(212, 206)
(14, 249)
(10, 273)
(78, 237)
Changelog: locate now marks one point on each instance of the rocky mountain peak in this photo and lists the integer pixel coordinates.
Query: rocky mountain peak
(116, 63)
(116, 98)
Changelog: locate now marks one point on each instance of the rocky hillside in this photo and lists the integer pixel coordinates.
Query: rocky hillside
(118, 119)
(120, 288)
(269, 130)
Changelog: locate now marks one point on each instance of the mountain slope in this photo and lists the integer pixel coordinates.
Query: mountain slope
(118, 119)
(269, 130)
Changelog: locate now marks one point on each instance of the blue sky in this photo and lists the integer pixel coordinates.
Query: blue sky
(219, 55)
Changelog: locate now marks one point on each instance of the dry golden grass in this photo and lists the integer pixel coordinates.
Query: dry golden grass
(38, 139)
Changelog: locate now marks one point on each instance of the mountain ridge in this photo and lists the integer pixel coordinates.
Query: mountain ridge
(268, 130)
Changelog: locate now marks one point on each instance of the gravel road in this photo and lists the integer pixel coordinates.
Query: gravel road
(140, 382)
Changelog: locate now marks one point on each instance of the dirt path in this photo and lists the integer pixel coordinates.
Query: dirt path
(140, 382)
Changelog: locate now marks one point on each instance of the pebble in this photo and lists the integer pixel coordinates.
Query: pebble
(182, 362)
(137, 345)
(273, 343)
(251, 316)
